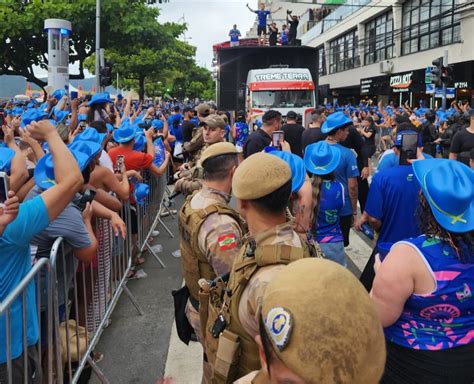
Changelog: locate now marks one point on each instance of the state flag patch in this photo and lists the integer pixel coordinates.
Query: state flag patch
(227, 241)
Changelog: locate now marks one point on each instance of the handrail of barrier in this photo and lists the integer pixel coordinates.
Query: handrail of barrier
(5, 306)
(148, 213)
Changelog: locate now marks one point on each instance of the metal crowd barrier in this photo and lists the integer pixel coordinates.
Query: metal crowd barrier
(74, 300)
(18, 297)
(85, 295)
(149, 212)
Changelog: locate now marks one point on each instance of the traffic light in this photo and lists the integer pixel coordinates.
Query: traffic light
(106, 75)
(447, 75)
(437, 71)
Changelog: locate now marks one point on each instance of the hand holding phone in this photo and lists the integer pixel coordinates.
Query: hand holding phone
(408, 148)
(4, 186)
(277, 138)
(119, 167)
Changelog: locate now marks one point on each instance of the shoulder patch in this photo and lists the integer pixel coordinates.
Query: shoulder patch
(227, 241)
(279, 323)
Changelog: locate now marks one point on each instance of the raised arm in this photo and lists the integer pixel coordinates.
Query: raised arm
(67, 175)
(18, 171)
(250, 9)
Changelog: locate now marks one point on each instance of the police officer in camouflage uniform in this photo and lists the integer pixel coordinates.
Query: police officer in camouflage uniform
(190, 179)
(318, 325)
(196, 143)
(211, 231)
(262, 186)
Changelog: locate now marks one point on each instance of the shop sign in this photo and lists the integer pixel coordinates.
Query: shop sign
(461, 85)
(401, 83)
(365, 86)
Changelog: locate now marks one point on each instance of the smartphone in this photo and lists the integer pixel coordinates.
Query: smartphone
(119, 164)
(277, 138)
(4, 185)
(87, 197)
(408, 148)
(74, 95)
(2, 119)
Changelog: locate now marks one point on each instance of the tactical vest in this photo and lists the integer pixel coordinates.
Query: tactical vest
(231, 351)
(193, 260)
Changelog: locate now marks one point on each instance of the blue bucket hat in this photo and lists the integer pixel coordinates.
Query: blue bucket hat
(99, 98)
(157, 124)
(90, 148)
(334, 121)
(17, 111)
(58, 94)
(90, 134)
(141, 192)
(44, 171)
(140, 142)
(124, 135)
(321, 158)
(60, 115)
(31, 115)
(296, 164)
(6, 156)
(448, 186)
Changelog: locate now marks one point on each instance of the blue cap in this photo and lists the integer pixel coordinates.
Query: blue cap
(140, 142)
(141, 192)
(6, 156)
(398, 137)
(296, 164)
(124, 135)
(90, 134)
(448, 186)
(31, 115)
(119, 96)
(99, 98)
(44, 171)
(58, 94)
(321, 158)
(334, 121)
(81, 117)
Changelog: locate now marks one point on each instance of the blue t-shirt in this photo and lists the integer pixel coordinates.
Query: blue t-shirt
(393, 199)
(234, 35)
(15, 263)
(262, 17)
(391, 160)
(284, 38)
(330, 205)
(346, 169)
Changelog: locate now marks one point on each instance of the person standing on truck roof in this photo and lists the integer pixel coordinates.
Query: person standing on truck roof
(262, 15)
(234, 35)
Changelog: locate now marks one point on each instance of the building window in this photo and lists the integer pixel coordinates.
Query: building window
(378, 42)
(429, 24)
(322, 61)
(343, 53)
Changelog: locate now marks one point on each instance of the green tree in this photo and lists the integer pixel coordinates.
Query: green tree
(23, 44)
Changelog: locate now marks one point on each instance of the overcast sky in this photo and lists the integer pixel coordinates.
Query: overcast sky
(209, 21)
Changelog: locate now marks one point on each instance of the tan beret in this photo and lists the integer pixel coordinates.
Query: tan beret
(214, 121)
(203, 109)
(259, 175)
(218, 149)
(323, 325)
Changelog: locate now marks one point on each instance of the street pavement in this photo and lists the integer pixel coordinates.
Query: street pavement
(143, 349)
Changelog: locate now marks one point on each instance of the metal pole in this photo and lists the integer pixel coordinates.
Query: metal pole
(445, 64)
(97, 45)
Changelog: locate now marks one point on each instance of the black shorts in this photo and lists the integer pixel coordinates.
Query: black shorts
(261, 29)
(134, 219)
(34, 368)
(346, 224)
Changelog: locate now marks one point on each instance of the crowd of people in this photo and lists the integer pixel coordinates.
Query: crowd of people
(267, 291)
(257, 295)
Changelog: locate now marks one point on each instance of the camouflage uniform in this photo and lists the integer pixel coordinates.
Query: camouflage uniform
(190, 180)
(196, 143)
(220, 253)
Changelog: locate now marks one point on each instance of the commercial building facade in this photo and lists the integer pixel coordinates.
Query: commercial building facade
(380, 50)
